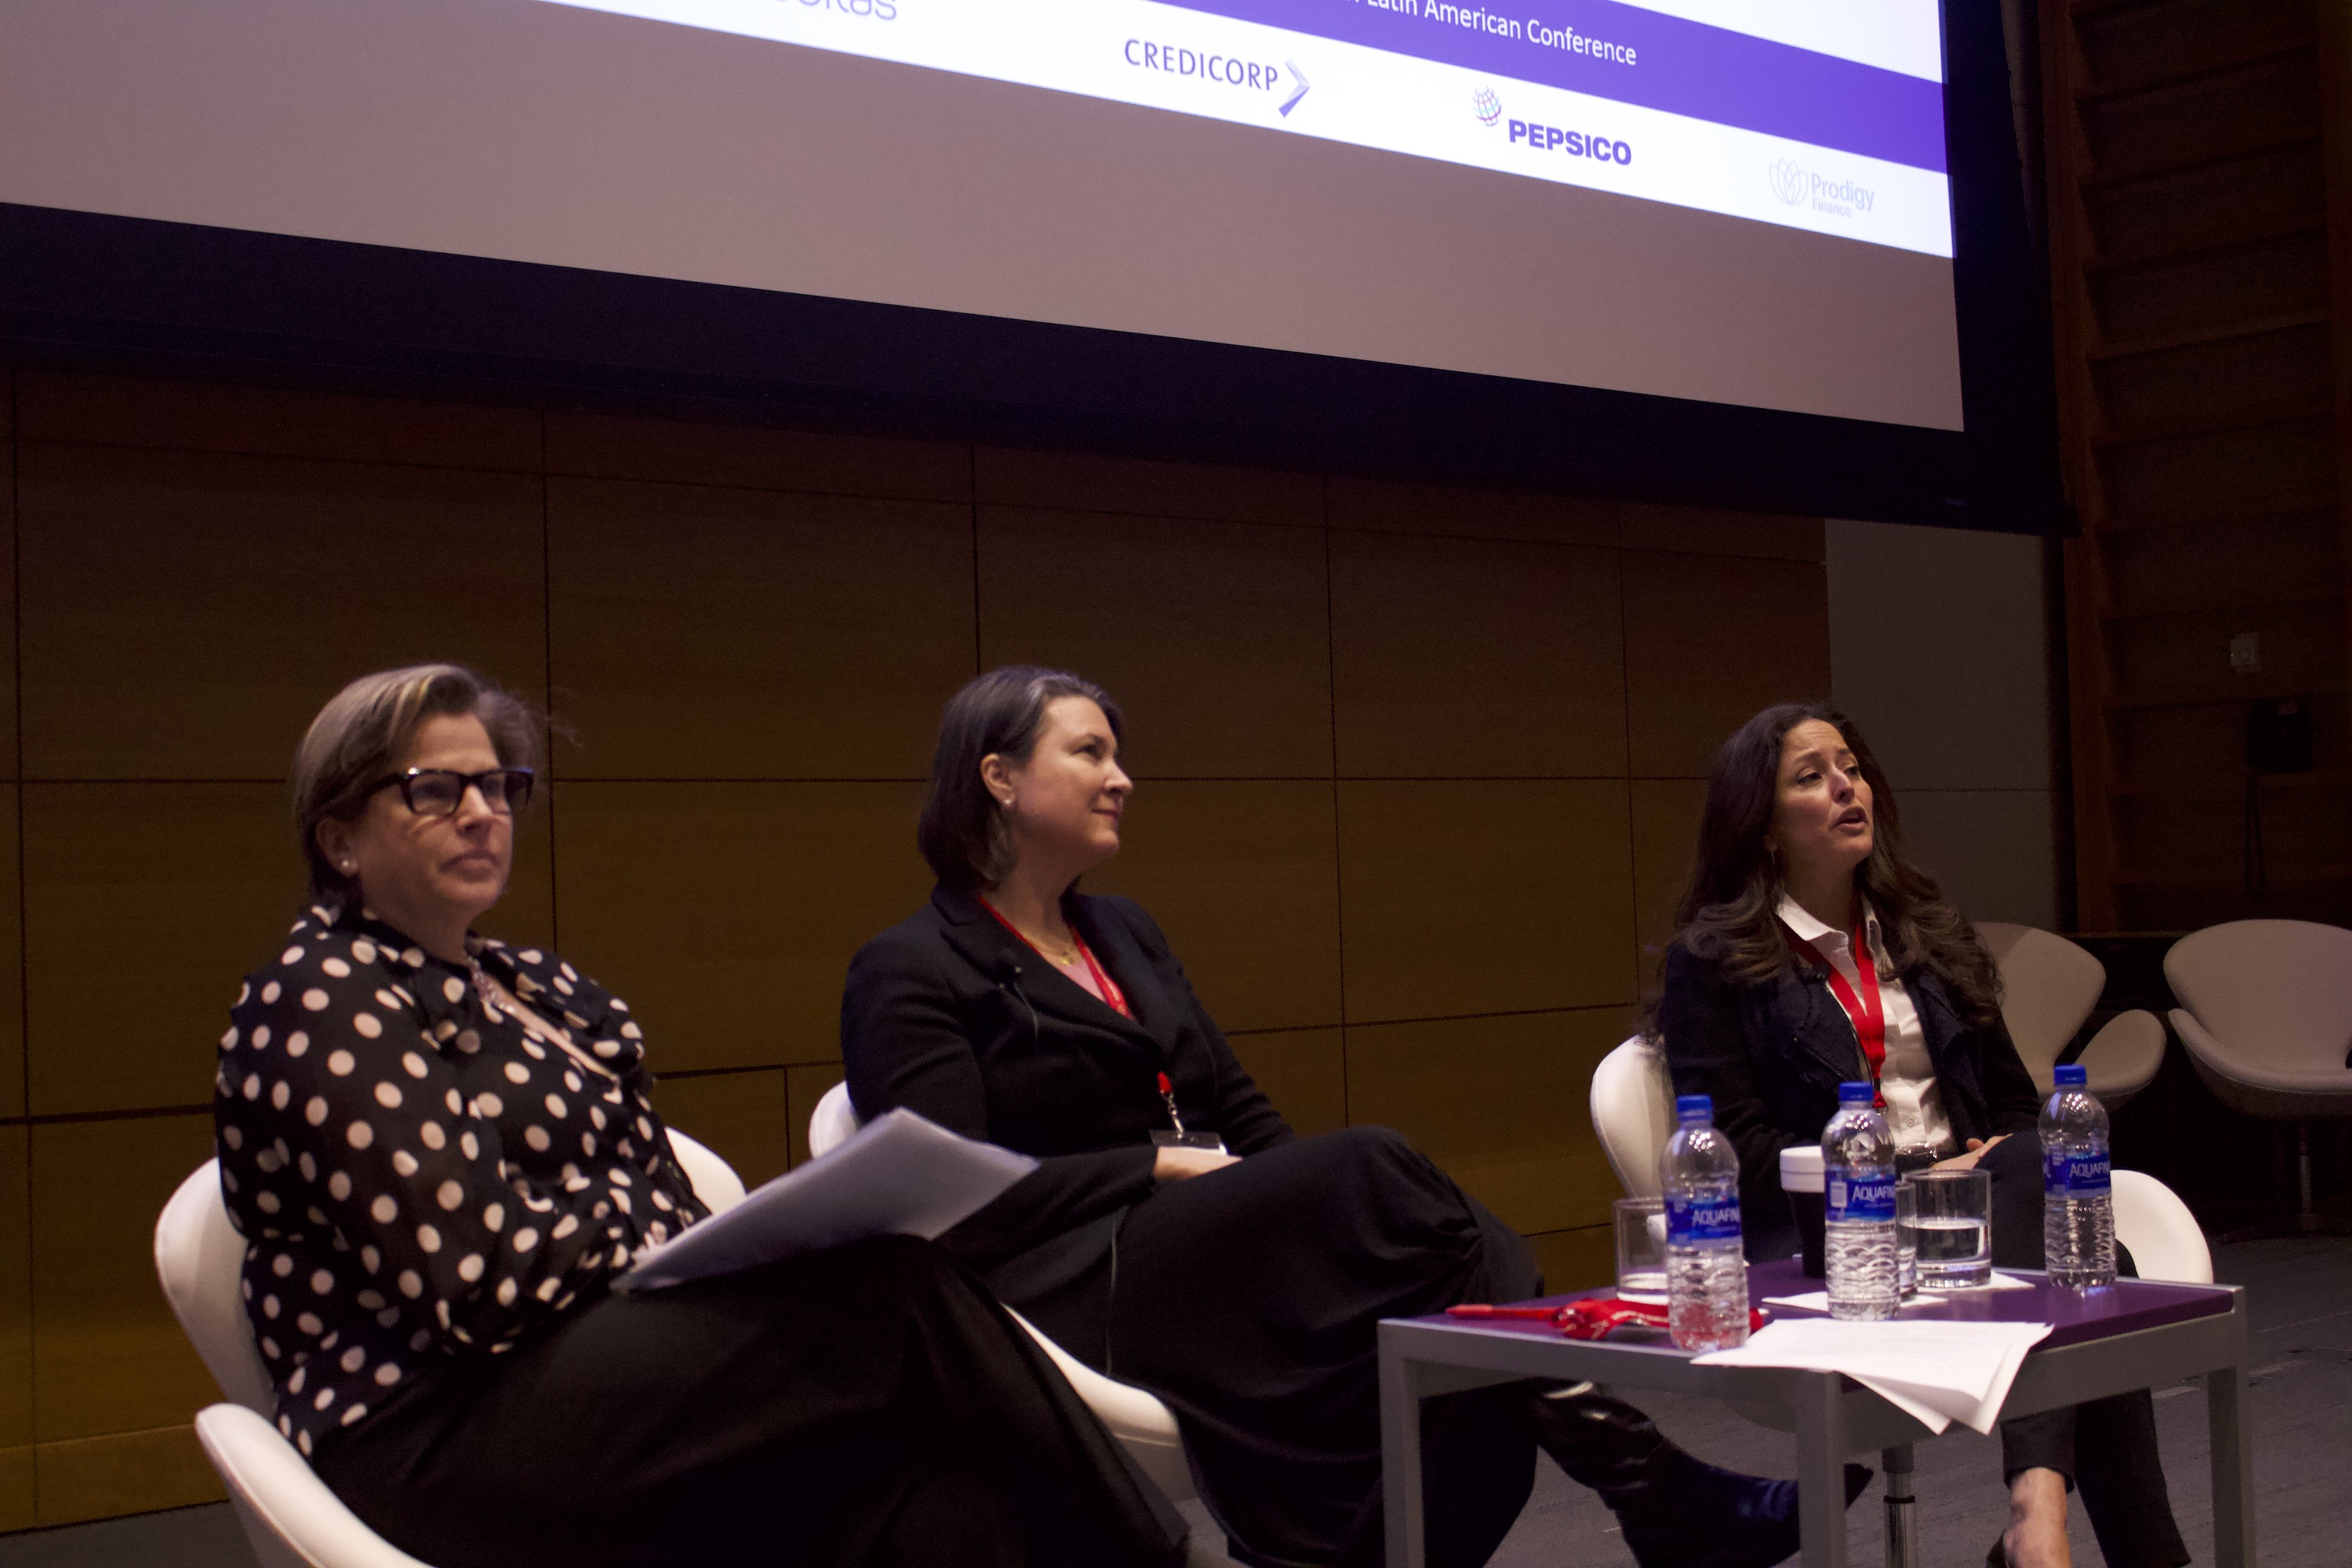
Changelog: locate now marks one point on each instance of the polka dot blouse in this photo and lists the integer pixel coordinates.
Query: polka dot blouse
(416, 1176)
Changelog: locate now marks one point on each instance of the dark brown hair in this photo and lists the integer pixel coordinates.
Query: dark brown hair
(961, 833)
(1728, 914)
(364, 730)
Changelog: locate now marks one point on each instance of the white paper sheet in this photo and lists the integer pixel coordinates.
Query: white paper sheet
(1819, 1300)
(899, 1174)
(1937, 1372)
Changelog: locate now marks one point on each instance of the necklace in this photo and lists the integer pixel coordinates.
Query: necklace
(497, 1004)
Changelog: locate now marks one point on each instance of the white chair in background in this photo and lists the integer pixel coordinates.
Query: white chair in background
(1144, 1426)
(1633, 1113)
(2266, 1014)
(2049, 987)
(290, 1518)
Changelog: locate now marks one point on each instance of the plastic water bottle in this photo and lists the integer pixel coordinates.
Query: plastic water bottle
(2078, 1207)
(1858, 1198)
(1706, 1273)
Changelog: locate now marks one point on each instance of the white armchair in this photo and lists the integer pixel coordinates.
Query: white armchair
(290, 1516)
(1143, 1425)
(2049, 987)
(2266, 1014)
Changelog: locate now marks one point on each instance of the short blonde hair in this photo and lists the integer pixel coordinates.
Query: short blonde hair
(360, 735)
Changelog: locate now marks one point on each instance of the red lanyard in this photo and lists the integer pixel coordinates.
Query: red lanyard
(1866, 1012)
(1105, 988)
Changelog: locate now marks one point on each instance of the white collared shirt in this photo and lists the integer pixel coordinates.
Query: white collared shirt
(1915, 1112)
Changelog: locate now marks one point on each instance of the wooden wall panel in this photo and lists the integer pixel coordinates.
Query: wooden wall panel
(750, 631)
(92, 1478)
(526, 915)
(108, 1356)
(1665, 842)
(699, 632)
(8, 693)
(1243, 878)
(1081, 481)
(1385, 506)
(20, 1501)
(185, 614)
(211, 416)
(1303, 1072)
(1471, 658)
(16, 1329)
(1499, 1103)
(2200, 227)
(1696, 530)
(199, 880)
(726, 913)
(605, 447)
(12, 971)
(1582, 1259)
(746, 1117)
(213, 865)
(1484, 896)
(1211, 637)
(1711, 639)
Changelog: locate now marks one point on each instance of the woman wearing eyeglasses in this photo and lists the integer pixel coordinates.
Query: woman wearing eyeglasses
(442, 1150)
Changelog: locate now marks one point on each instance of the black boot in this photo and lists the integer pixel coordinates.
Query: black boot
(1677, 1513)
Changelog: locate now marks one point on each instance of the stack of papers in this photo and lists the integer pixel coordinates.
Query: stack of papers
(1938, 1373)
(899, 1174)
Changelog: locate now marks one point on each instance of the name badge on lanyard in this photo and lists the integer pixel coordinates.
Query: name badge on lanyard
(1866, 1012)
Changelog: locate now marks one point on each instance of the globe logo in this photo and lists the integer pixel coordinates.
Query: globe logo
(1489, 107)
(1790, 181)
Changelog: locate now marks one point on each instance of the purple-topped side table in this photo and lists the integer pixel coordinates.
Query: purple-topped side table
(2137, 1334)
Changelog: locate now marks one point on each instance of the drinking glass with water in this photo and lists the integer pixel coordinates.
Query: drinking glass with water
(1952, 1228)
(1641, 1248)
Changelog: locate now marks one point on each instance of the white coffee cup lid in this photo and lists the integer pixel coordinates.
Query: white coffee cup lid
(1801, 1169)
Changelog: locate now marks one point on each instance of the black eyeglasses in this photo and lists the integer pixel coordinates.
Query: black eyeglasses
(439, 792)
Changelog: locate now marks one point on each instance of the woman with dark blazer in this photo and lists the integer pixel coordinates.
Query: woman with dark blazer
(1176, 1233)
(1801, 898)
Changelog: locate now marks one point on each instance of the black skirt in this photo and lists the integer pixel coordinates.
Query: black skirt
(865, 1406)
(1248, 1300)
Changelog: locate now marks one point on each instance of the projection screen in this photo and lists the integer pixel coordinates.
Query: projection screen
(1731, 200)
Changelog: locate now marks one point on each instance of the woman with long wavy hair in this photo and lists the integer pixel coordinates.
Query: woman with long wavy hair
(1801, 877)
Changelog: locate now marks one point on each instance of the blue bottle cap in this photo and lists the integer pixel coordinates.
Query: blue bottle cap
(2071, 1076)
(1850, 1092)
(1688, 1105)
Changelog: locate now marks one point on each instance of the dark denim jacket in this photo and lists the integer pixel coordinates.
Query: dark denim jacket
(1772, 1055)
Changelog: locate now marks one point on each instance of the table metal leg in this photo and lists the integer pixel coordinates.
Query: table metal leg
(2233, 1458)
(1901, 1519)
(1821, 1469)
(1400, 1461)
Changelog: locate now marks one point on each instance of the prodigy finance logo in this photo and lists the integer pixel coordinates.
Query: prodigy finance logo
(1486, 106)
(1799, 186)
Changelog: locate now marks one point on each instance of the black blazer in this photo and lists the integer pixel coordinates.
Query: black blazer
(953, 1016)
(1772, 1055)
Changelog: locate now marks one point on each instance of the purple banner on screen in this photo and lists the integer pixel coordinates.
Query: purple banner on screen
(1676, 66)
